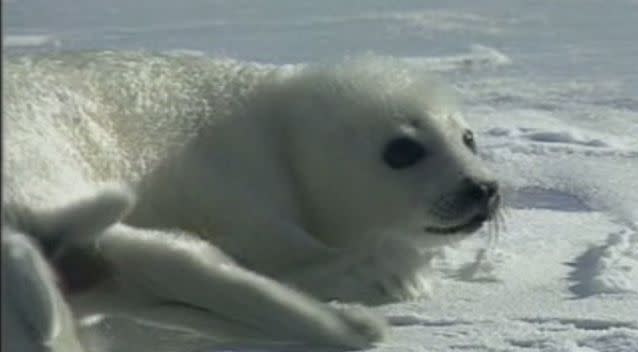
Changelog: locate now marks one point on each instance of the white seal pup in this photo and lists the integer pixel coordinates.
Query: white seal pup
(334, 180)
(248, 180)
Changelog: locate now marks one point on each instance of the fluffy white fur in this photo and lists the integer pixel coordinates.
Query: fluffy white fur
(244, 181)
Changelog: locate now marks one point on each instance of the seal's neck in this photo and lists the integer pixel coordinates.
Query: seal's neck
(150, 209)
(166, 196)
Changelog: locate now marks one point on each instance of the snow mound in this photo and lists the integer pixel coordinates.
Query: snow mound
(30, 40)
(417, 320)
(185, 53)
(479, 57)
(608, 268)
(548, 136)
(545, 198)
(617, 341)
(485, 266)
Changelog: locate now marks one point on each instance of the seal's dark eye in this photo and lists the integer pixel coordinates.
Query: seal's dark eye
(402, 152)
(468, 140)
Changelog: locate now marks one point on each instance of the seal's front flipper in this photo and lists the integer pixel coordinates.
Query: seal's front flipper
(78, 220)
(188, 283)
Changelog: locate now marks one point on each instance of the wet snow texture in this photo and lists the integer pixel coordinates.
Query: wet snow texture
(550, 89)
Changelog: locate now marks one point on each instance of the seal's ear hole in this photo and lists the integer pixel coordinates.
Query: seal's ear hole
(468, 140)
(403, 152)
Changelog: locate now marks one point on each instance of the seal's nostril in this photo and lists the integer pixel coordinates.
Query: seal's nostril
(475, 191)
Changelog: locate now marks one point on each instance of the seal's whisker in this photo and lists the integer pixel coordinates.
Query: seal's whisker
(498, 224)
(503, 219)
(496, 229)
(489, 230)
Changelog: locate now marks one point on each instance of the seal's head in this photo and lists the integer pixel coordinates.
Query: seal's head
(372, 149)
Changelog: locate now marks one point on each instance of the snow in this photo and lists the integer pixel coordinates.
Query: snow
(549, 87)
(549, 293)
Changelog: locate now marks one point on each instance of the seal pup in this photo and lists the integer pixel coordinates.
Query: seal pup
(249, 189)
(335, 179)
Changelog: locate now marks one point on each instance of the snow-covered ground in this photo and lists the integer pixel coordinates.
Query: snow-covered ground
(550, 86)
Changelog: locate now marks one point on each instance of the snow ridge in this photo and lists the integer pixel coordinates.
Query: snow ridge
(608, 268)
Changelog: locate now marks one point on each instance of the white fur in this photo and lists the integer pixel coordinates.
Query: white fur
(244, 176)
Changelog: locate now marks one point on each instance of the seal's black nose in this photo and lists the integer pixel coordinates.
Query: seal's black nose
(483, 192)
(480, 190)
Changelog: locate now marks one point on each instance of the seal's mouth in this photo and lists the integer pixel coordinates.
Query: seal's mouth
(472, 225)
